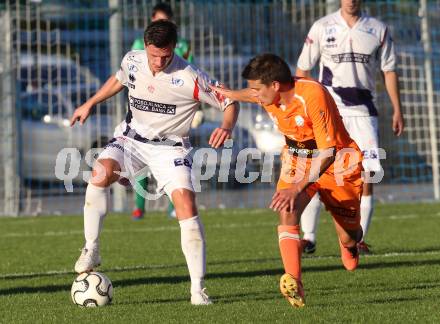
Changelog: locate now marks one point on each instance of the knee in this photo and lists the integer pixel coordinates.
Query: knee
(184, 202)
(287, 218)
(103, 175)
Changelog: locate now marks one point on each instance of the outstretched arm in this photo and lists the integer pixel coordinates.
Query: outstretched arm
(111, 87)
(243, 95)
(221, 134)
(392, 85)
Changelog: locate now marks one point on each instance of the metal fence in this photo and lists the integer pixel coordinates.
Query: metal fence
(57, 53)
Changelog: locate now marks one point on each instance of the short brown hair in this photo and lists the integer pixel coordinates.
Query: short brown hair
(267, 68)
(161, 33)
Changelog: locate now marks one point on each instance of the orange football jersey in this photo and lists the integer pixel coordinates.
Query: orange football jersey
(312, 115)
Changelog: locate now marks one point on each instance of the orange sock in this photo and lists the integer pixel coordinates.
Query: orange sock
(291, 249)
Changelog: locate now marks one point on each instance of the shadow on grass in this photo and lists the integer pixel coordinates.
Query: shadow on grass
(220, 275)
(233, 262)
(225, 299)
(133, 268)
(376, 301)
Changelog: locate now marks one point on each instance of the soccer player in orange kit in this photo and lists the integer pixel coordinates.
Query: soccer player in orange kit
(319, 156)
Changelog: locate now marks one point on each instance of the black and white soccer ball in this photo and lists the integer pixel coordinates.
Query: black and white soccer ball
(91, 290)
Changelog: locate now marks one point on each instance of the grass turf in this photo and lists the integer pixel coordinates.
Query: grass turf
(398, 283)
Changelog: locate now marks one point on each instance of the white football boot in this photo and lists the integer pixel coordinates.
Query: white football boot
(200, 298)
(88, 260)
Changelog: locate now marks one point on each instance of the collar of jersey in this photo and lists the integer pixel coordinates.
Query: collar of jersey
(167, 70)
(344, 23)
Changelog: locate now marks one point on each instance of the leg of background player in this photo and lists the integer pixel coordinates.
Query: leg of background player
(367, 208)
(309, 224)
(139, 210)
(171, 210)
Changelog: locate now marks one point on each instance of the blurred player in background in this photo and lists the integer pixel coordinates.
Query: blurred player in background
(183, 49)
(312, 161)
(349, 46)
(165, 92)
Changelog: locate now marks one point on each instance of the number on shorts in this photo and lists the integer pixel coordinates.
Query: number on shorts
(180, 162)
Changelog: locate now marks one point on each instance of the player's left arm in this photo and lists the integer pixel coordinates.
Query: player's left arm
(391, 80)
(284, 199)
(222, 133)
(387, 58)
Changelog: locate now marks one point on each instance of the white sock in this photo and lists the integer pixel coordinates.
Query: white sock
(310, 219)
(95, 209)
(193, 247)
(367, 207)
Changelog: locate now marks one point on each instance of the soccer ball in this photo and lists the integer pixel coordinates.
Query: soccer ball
(91, 290)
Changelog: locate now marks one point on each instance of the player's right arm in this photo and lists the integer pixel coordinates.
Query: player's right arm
(243, 95)
(111, 87)
(310, 53)
(302, 74)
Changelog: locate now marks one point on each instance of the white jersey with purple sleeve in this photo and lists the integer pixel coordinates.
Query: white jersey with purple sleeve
(348, 59)
(163, 105)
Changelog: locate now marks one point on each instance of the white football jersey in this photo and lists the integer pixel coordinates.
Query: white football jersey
(348, 58)
(163, 105)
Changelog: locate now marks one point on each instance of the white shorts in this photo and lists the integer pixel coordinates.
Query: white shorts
(170, 165)
(364, 131)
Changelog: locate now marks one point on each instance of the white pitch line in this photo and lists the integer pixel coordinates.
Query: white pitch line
(140, 230)
(176, 228)
(159, 266)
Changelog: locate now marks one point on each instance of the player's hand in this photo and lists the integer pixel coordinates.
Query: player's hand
(284, 200)
(81, 114)
(398, 123)
(245, 94)
(221, 91)
(219, 136)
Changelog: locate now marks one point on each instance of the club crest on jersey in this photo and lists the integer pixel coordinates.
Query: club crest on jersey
(132, 68)
(370, 30)
(330, 30)
(177, 82)
(150, 89)
(299, 121)
(132, 58)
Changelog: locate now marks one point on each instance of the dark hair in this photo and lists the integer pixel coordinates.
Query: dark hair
(165, 8)
(267, 68)
(161, 33)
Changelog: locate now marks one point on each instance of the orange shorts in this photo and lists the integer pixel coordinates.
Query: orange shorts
(340, 192)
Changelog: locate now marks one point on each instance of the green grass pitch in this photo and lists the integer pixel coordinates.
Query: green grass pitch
(399, 283)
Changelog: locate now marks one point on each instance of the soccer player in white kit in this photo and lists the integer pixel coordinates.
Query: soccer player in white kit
(164, 93)
(349, 46)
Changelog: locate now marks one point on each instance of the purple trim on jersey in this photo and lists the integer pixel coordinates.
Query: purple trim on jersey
(350, 96)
